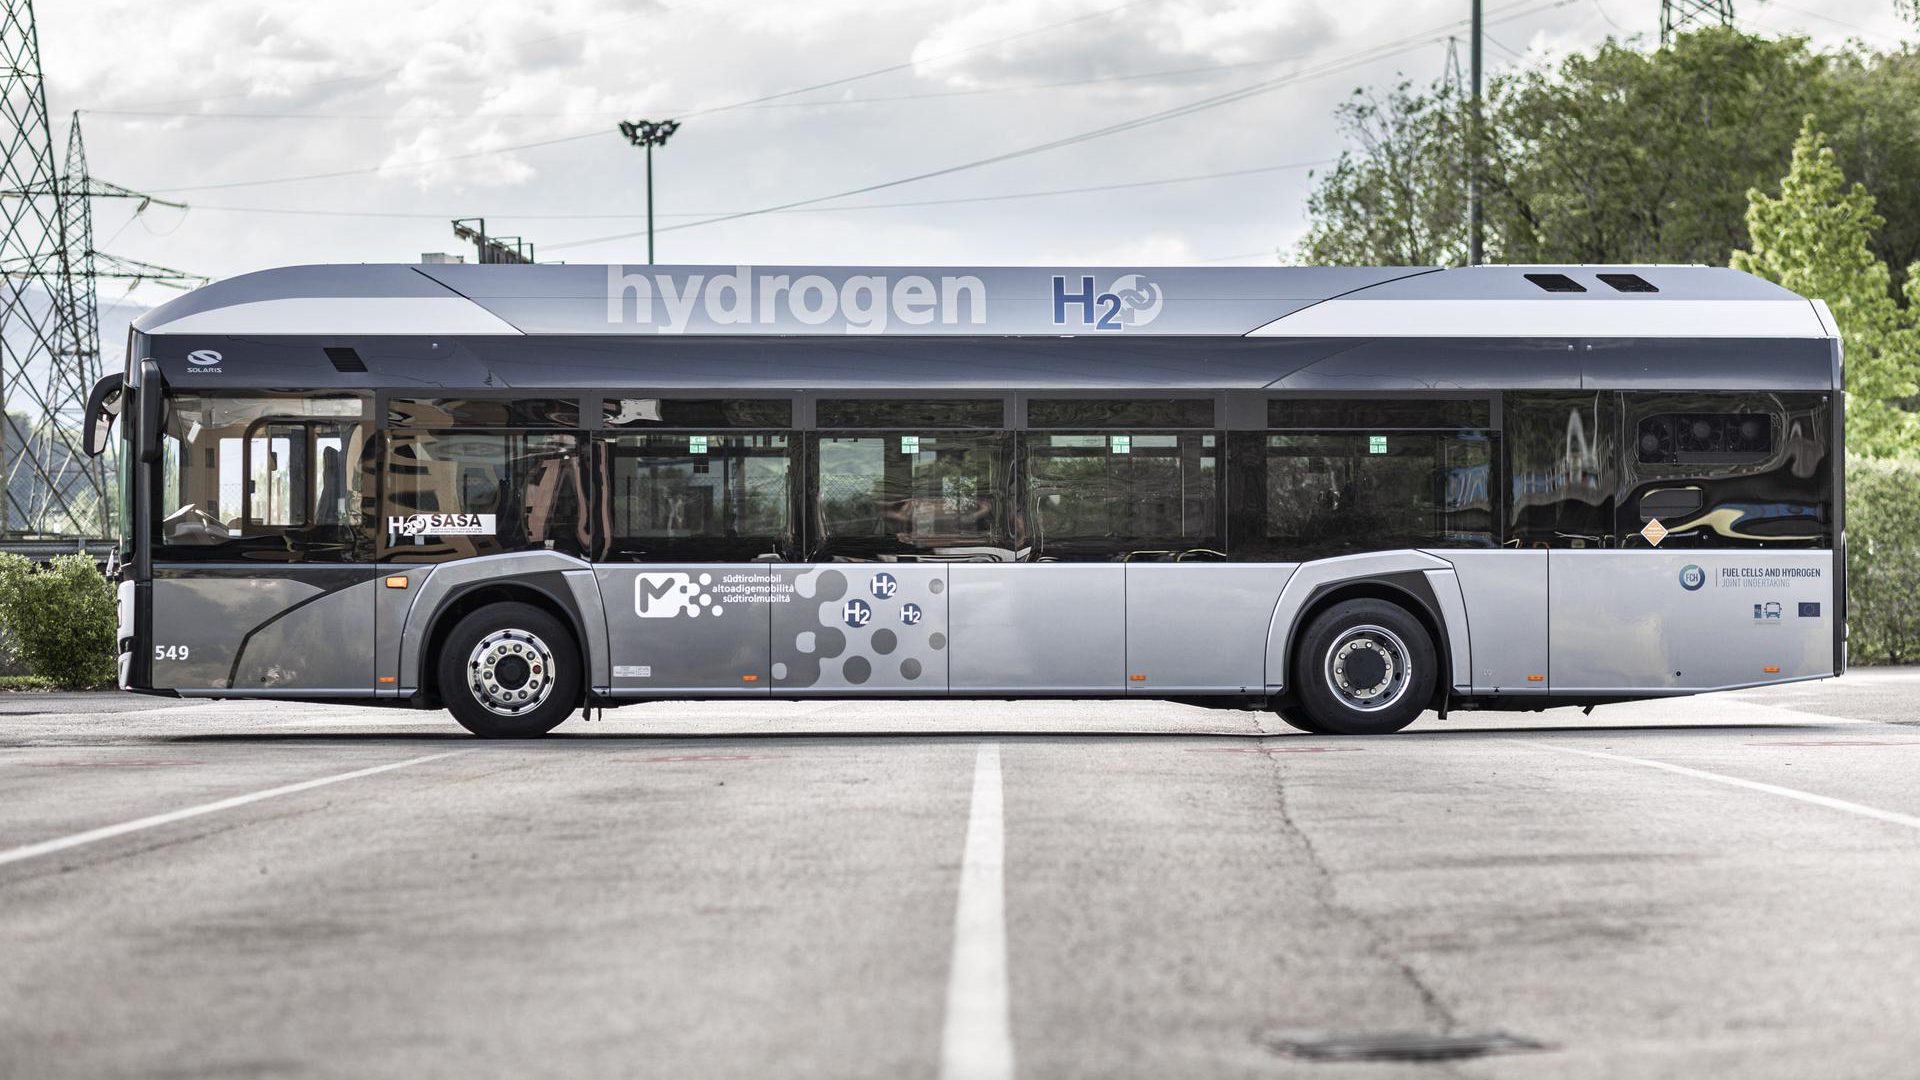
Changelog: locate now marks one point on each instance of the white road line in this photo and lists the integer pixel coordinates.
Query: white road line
(978, 1042)
(48, 847)
(1829, 802)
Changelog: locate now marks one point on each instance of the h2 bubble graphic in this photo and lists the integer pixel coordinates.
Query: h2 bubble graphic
(884, 586)
(857, 613)
(910, 614)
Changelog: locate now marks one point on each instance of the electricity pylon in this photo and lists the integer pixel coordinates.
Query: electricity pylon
(49, 309)
(1677, 16)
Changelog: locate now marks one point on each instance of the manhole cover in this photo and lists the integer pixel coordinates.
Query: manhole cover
(1403, 1047)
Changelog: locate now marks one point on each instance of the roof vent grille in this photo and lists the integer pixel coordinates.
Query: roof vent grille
(1556, 283)
(1628, 282)
(345, 359)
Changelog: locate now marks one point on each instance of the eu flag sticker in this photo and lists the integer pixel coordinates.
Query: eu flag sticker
(1809, 611)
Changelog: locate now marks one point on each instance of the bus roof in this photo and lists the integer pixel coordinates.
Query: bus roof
(1318, 302)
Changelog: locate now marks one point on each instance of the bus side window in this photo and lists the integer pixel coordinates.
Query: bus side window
(1727, 469)
(1122, 495)
(1315, 494)
(1562, 468)
(913, 478)
(261, 478)
(454, 494)
(678, 497)
(943, 495)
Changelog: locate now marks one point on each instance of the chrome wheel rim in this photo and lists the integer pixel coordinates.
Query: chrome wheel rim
(510, 672)
(1368, 668)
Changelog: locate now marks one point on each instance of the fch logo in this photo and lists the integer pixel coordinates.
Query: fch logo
(1130, 300)
(1692, 577)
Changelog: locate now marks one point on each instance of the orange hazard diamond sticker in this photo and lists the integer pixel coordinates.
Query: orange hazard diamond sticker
(1654, 532)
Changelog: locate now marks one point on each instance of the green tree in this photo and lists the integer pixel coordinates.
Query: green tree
(1400, 199)
(1620, 155)
(1629, 156)
(1815, 238)
(1872, 117)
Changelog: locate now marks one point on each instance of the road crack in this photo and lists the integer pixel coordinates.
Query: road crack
(1379, 943)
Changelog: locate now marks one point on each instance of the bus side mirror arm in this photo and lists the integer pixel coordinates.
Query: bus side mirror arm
(103, 404)
(148, 398)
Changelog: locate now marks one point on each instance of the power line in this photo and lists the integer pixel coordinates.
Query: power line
(1369, 55)
(1855, 27)
(889, 69)
(1166, 73)
(1504, 47)
(1601, 8)
(1256, 170)
(596, 132)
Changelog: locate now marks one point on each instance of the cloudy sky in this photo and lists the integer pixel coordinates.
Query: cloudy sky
(351, 131)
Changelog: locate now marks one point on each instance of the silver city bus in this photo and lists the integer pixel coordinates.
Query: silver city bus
(1349, 495)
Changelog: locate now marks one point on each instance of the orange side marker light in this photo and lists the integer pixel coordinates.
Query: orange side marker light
(1136, 678)
(389, 678)
(1536, 678)
(1771, 669)
(397, 582)
(749, 678)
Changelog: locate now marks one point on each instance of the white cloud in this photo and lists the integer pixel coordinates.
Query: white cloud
(442, 78)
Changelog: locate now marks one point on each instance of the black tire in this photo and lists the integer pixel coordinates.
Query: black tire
(1364, 667)
(529, 653)
(1293, 714)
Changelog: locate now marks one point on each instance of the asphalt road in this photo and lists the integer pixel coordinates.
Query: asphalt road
(1720, 886)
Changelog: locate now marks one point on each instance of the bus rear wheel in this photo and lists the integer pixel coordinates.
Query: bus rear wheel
(1364, 667)
(509, 671)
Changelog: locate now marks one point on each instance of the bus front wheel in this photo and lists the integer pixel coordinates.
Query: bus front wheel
(1364, 667)
(509, 671)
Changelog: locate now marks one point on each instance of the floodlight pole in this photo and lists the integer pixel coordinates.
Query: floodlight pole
(647, 134)
(1475, 217)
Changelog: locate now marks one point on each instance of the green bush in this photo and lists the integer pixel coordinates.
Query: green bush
(13, 570)
(61, 618)
(1883, 560)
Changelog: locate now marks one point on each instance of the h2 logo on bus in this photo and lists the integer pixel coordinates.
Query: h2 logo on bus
(1130, 300)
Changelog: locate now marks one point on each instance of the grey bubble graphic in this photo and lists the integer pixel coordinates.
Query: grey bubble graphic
(938, 640)
(936, 586)
(779, 671)
(910, 668)
(884, 641)
(857, 670)
(804, 641)
(831, 586)
(832, 642)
